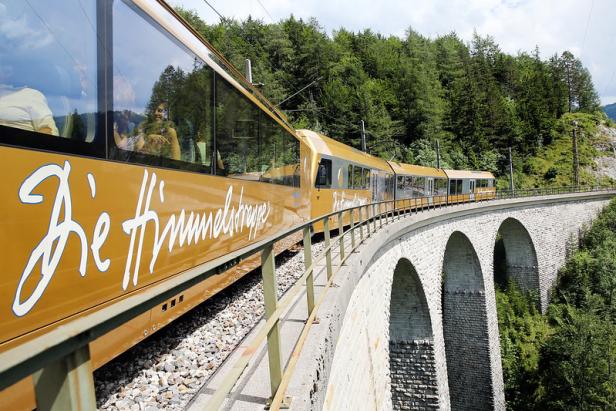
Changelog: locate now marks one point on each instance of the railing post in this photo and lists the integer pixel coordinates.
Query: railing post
(374, 217)
(341, 236)
(352, 212)
(308, 265)
(381, 214)
(328, 252)
(368, 232)
(393, 211)
(66, 384)
(268, 271)
(361, 224)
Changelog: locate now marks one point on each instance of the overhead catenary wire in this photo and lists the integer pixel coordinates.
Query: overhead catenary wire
(338, 121)
(215, 11)
(592, 4)
(299, 91)
(266, 11)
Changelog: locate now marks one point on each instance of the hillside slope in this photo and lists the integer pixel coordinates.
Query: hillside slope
(552, 166)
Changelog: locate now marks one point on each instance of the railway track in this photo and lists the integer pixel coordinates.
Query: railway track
(166, 370)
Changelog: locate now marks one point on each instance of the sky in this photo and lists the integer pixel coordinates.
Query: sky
(585, 27)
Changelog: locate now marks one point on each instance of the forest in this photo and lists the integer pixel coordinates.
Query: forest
(476, 100)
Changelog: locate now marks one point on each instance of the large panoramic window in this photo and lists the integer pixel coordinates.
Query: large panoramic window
(162, 95)
(251, 145)
(48, 73)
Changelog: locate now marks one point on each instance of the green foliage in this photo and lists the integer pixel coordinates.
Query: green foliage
(575, 370)
(565, 360)
(523, 330)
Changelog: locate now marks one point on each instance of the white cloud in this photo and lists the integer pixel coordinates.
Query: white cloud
(516, 25)
(18, 31)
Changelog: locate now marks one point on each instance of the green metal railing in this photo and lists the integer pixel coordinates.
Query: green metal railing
(60, 359)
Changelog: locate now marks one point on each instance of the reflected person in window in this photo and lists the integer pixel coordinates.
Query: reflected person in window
(122, 131)
(158, 134)
(27, 109)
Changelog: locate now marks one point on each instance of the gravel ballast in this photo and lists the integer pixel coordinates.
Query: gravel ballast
(167, 369)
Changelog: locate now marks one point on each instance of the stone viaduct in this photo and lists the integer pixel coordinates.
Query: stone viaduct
(412, 323)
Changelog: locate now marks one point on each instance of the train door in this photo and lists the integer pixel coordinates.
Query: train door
(472, 190)
(430, 189)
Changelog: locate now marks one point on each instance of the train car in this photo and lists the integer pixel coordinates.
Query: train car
(466, 185)
(131, 152)
(418, 186)
(343, 177)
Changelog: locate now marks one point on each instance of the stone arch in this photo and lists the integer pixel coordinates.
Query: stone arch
(465, 327)
(521, 263)
(411, 343)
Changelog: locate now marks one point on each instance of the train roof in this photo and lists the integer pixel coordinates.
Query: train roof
(328, 146)
(413, 170)
(468, 174)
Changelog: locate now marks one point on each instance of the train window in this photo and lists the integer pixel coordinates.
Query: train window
(250, 144)
(400, 185)
(162, 99)
(357, 177)
(342, 178)
(419, 186)
(459, 187)
(350, 177)
(452, 187)
(279, 153)
(440, 186)
(366, 178)
(324, 174)
(48, 76)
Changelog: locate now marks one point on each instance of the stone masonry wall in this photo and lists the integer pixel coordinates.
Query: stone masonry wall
(411, 345)
(413, 375)
(466, 346)
(521, 256)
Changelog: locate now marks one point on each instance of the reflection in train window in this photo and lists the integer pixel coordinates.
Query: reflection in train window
(440, 186)
(324, 174)
(162, 100)
(357, 177)
(48, 69)
(250, 144)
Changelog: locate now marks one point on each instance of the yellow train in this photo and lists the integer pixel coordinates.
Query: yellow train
(132, 151)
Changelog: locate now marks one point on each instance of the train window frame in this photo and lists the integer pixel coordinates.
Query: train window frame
(367, 179)
(357, 177)
(350, 176)
(279, 133)
(452, 187)
(327, 165)
(147, 159)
